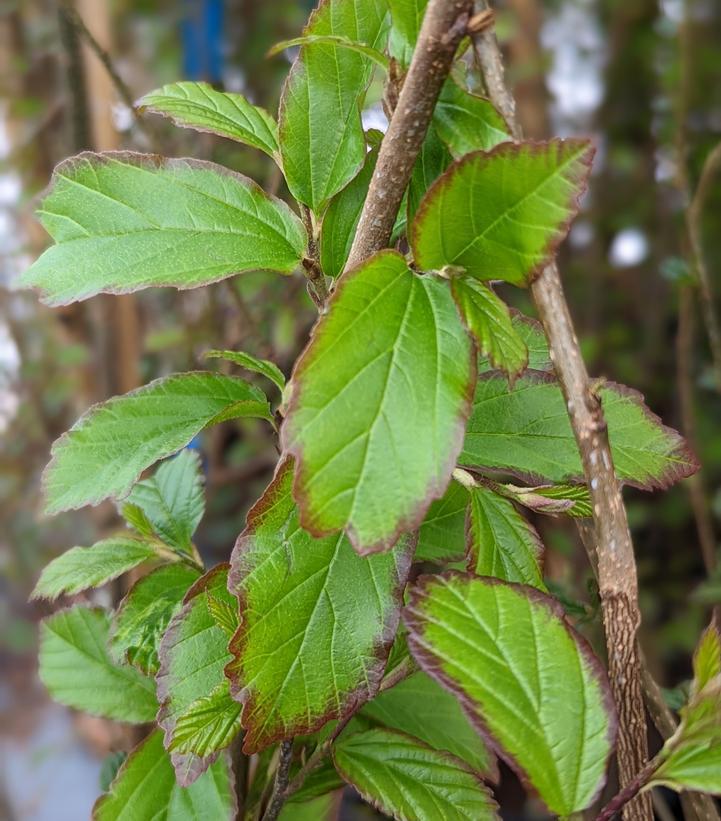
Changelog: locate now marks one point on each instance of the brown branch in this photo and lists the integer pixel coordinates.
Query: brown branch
(617, 577)
(630, 792)
(317, 286)
(277, 798)
(444, 24)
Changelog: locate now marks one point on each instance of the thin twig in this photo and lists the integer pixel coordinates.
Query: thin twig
(277, 798)
(618, 584)
(77, 22)
(630, 791)
(444, 24)
(317, 286)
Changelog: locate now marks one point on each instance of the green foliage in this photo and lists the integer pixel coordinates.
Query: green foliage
(318, 620)
(526, 432)
(145, 787)
(193, 655)
(172, 500)
(298, 639)
(111, 444)
(126, 221)
(524, 675)
(488, 320)
(83, 567)
(321, 136)
(501, 542)
(408, 780)
(251, 363)
(200, 106)
(691, 758)
(420, 707)
(390, 356)
(441, 536)
(501, 214)
(341, 218)
(145, 612)
(77, 669)
(466, 122)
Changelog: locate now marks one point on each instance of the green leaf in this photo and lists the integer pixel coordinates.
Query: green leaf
(83, 567)
(691, 758)
(409, 781)
(209, 724)
(489, 322)
(421, 708)
(501, 542)
(442, 535)
(332, 40)
(251, 363)
(321, 136)
(145, 788)
(107, 449)
(193, 655)
(432, 161)
(145, 612)
(406, 17)
(392, 360)
(200, 106)
(318, 620)
(322, 808)
(78, 672)
(525, 431)
(125, 221)
(137, 520)
(173, 499)
(341, 219)
(501, 214)
(466, 122)
(572, 500)
(533, 337)
(524, 676)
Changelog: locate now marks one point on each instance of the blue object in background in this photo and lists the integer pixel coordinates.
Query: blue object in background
(201, 32)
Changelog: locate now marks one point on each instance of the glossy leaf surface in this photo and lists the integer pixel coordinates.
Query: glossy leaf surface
(392, 360)
(122, 222)
(317, 620)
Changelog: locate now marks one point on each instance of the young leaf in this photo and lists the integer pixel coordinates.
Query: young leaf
(173, 499)
(125, 221)
(341, 219)
(209, 724)
(333, 40)
(145, 787)
(392, 358)
(317, 620)
(321, 136)
(78, 672)
(691, 758)
(523, 675)
(421, 708)
(83, 567)
(525, 431)
(107, 449)
(572, 500)
(193, 654)
(489, 322)
(466, 122)
(409, 781)
(501, 542)
(251, 363)
(145, 612)
(501, 214)
(442, 535)
(432, 161)
(200, 106)
(533, 337)
(406, 16)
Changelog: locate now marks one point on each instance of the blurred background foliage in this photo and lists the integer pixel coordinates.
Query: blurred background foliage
(642, 268)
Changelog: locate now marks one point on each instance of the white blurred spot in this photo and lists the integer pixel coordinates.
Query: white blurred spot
(629, 248)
